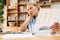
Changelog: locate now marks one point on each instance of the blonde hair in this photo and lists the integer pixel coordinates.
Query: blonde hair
(35, 4)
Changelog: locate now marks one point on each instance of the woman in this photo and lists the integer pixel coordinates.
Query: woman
(31, 20)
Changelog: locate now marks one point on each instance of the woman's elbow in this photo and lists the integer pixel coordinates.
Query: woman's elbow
(21, 29)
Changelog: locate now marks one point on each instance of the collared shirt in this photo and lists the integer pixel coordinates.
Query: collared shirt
(31, 24)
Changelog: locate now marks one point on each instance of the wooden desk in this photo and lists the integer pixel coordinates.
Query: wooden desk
(36, 38)
(48, 38)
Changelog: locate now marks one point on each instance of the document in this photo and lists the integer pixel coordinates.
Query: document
(25, 35)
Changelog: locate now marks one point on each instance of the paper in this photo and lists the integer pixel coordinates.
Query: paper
(43, 33)
(26, 35)
(47, 17)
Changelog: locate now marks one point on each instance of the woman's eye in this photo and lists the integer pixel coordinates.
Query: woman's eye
(30, 7)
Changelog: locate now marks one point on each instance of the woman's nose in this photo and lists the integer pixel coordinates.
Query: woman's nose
(29, 11)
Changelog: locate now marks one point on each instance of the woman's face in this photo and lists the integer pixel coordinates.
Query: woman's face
(32, 10)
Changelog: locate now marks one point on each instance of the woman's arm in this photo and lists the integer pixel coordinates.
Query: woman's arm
(23, 27)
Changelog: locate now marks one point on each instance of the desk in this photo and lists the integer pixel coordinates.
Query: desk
(36, 38)
(48, 38)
